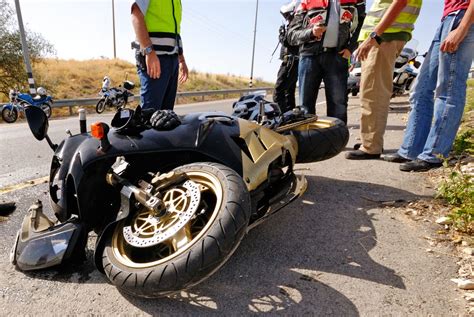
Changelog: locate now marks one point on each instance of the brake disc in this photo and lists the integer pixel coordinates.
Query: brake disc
(146, 229)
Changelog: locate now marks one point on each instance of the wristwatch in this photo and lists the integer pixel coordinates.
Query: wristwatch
(147, 50)
(378, 39)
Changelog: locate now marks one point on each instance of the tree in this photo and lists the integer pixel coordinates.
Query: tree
(12, 69)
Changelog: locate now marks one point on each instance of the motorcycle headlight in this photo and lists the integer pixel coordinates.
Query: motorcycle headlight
(44, 251)
(35, 250)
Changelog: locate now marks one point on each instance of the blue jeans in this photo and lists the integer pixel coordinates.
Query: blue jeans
(333, 69)
(160, 93)
(438, 97)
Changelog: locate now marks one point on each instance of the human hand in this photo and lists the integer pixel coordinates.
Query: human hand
(183, 71)
(345, 53)
(452, 41)
(364, 48)
(153, 67)
(318, 31)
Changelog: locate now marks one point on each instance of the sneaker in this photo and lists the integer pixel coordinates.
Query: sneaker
(395, 158)
(418, 166)
(361, 155)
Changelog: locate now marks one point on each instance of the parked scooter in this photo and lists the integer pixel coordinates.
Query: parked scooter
(116, 97)
(18, 102)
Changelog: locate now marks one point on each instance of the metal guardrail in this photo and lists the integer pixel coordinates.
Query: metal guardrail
(93, 101)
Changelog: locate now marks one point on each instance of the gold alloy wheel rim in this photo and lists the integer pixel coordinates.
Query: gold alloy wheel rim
(320, 124)
(184, 238)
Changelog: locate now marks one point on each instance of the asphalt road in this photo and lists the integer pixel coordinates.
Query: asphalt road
(334, 252)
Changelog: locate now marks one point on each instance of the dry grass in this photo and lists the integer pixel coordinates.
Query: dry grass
(68, 79)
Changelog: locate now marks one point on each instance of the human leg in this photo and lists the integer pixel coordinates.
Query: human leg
(450, 96)
(376, 90)
(310, 76)
(151, 96)
(336, 72)
(279, 92)
(171, 67)
(422, 103)
(292, 79)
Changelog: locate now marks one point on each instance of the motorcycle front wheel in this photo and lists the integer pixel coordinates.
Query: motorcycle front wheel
(47, 109)
(194, 250)
(9, 115)
(100, 107)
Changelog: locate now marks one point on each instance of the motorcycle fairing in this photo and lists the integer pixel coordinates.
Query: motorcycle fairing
(8, 106)
(246, 147)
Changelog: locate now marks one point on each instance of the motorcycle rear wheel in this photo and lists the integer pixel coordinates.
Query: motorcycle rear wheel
(100, 107)
(320, 140)
(194, 252)
(9, 115)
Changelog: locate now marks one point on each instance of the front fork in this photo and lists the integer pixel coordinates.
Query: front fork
(146, 194)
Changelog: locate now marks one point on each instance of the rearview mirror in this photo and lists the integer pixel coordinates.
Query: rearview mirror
(37, 121)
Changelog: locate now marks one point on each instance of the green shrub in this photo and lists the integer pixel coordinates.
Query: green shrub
(464, 142)
(458, 190)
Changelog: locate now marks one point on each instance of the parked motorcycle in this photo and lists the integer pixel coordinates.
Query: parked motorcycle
(18, 102)
(404, 74)
(169, 197)
(116, 97)
(353, 81)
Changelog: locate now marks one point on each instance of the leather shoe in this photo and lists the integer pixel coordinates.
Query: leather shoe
(361, 155)
(395, 158)
(418, 166)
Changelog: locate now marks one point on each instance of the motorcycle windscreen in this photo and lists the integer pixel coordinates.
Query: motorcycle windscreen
(45, 249)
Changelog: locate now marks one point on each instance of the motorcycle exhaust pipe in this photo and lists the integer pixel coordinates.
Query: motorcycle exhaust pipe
(82, 121)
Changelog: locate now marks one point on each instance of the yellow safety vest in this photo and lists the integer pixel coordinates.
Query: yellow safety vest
(405, 21)
(163, 22)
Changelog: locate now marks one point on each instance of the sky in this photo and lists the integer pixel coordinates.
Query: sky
(217, 34)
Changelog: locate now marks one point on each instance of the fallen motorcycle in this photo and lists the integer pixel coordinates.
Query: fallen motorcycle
(169, 197)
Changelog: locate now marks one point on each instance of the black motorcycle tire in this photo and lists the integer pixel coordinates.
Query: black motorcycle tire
(46, 107)
(201, 257)
(100, 107)
(321, 143)
(9, 116)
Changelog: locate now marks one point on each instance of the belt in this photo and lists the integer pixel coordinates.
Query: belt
(329, 49)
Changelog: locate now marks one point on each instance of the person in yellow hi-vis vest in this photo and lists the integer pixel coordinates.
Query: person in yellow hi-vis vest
(159, 51)
(387, 28)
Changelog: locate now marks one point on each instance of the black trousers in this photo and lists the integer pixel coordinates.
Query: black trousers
(285, 86)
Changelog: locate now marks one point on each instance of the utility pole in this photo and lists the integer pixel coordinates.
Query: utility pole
(113, 27)
(26, 52)
(253, 50)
